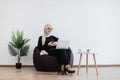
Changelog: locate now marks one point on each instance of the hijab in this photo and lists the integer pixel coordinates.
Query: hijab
(44, 34)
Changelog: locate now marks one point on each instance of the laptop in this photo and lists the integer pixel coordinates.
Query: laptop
(63, 44)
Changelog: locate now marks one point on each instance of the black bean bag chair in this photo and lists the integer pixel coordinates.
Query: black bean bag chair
(48, 63)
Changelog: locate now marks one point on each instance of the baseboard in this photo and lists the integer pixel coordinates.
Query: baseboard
(14, 65)
(102, 65)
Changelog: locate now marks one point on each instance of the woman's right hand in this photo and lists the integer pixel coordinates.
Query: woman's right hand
(52, 43)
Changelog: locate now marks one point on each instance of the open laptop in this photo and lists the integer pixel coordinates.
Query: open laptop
(63, 44)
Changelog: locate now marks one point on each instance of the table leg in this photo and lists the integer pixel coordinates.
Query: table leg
(95, 64)
(79, 64)
(86, 63)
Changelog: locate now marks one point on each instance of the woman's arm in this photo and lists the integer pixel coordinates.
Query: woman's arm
(53, 41)
(40, 43)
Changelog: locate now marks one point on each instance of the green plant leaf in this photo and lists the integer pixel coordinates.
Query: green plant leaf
(18, 42)
(13, 37)
(19, 39)
(12, 50)
(24, 50)
(25, 41)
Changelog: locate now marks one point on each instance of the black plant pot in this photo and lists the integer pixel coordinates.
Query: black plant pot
(18, 65)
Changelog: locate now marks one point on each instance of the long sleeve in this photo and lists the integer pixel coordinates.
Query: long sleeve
(40, 43)
(54, 38)
(46, 46)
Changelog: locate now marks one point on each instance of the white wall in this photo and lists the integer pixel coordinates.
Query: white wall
(88, 24)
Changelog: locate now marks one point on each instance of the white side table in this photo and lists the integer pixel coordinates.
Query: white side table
(86, 53)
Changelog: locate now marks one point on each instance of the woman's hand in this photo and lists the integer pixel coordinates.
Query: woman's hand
(52, 43)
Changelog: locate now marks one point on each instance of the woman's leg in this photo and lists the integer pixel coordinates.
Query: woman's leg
(61, 54)
(65, 59)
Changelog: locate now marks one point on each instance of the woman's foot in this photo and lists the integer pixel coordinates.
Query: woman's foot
(62, 71)
(69, 69)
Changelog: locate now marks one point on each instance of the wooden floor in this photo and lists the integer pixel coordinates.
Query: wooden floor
(29, 73)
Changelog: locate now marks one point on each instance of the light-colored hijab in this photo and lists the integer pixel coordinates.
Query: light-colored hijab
(44, 34)
(43, 52)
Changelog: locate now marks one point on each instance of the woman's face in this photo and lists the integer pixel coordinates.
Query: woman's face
(48, 30)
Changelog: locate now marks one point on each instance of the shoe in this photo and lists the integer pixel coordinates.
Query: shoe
(69, 71)
(61, 70)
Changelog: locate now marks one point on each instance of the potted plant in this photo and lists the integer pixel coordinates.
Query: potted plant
(18, 46)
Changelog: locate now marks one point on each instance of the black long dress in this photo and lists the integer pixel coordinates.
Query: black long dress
(61, 54)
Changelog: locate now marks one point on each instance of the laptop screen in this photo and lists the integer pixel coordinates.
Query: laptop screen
(63, 44)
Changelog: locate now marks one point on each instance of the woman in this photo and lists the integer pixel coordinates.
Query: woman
(47, 45)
